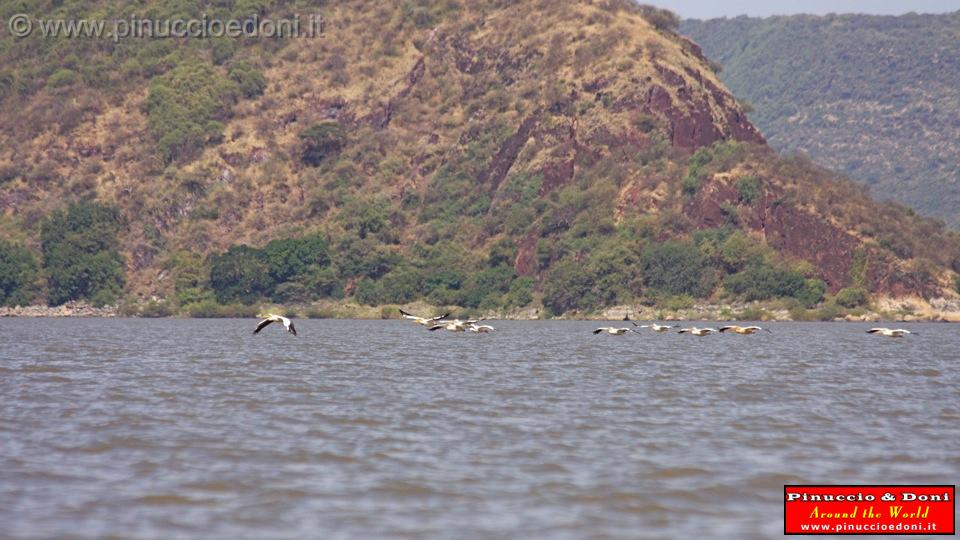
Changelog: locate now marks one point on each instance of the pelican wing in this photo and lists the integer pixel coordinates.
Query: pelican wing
(406, 315)
(436, 327)
(263, 324)
(875, 330)
(684, 331)
(291, 328)
(725, 328)
(433, 319)
(598, 330)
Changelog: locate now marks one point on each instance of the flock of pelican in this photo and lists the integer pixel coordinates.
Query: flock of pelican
(693, 330)
(441, 322)
(453, 325)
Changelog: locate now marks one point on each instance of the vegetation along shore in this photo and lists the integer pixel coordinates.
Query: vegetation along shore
(904, 310)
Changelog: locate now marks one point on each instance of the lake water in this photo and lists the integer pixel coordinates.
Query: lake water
(142, 428)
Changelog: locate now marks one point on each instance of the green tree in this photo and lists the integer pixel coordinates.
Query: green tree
(290, 257)
(81, 255)
(19, 274)
(566, 288)
(400, 285)
(677, 268)
(240, 275)
(762, 281)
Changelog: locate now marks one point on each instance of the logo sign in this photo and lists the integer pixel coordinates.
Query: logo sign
(872, 509)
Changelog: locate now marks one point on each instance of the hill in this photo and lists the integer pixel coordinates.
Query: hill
(488, 155)
(874, 97)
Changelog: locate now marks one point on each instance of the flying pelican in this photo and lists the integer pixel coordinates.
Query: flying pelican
(897, 332)
(744, 329)
(454, 325)
(287, 323)
(655, 327)
(612, 331)
(697, 331)
(425, 321)
(481, 328)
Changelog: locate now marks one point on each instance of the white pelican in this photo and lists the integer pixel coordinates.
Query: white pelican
(481, 328)
(454, 325)
(744, 329)
(655, 327)
(897, 332)
(697, 331)
(287, 323)
(612, 331)
(425, 321)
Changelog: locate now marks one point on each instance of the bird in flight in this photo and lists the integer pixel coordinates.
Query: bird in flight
(287, 323)
(746, 330)
(655, 327)
(612, 330)
(896, 332)
(697, 331)
(425, 321)
(454, 325)
(481, 328)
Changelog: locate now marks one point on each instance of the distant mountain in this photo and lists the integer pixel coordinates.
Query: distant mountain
(490, 154)
(875, 97)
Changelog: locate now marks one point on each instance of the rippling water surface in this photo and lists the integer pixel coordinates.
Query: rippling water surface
(380, 429)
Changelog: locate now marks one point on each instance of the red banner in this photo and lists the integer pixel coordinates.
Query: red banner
(873, 509)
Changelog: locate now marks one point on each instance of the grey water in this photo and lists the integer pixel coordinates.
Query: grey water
(137, 428)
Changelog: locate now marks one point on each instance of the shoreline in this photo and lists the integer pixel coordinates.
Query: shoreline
(883, 310)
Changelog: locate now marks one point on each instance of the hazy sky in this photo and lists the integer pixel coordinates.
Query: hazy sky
(705, 9)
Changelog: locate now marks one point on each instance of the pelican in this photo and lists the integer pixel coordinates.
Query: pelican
(746, 330)
(287, 323)
(481, 328)
(697, 331)
(454, 325)
(897, 332)
(425, 321)
(612, 331)
(655, 327)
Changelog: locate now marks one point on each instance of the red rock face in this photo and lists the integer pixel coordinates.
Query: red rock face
(525, 263)
(808, 237)
(802, 235)
(691, 122)
(885, 275)
(509, 150)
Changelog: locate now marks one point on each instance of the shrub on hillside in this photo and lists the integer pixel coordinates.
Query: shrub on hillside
(61, 77)
(851, 297)
(249, 79)
(320, 141)
(661, 19)
(186, 107)
(749, 189)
